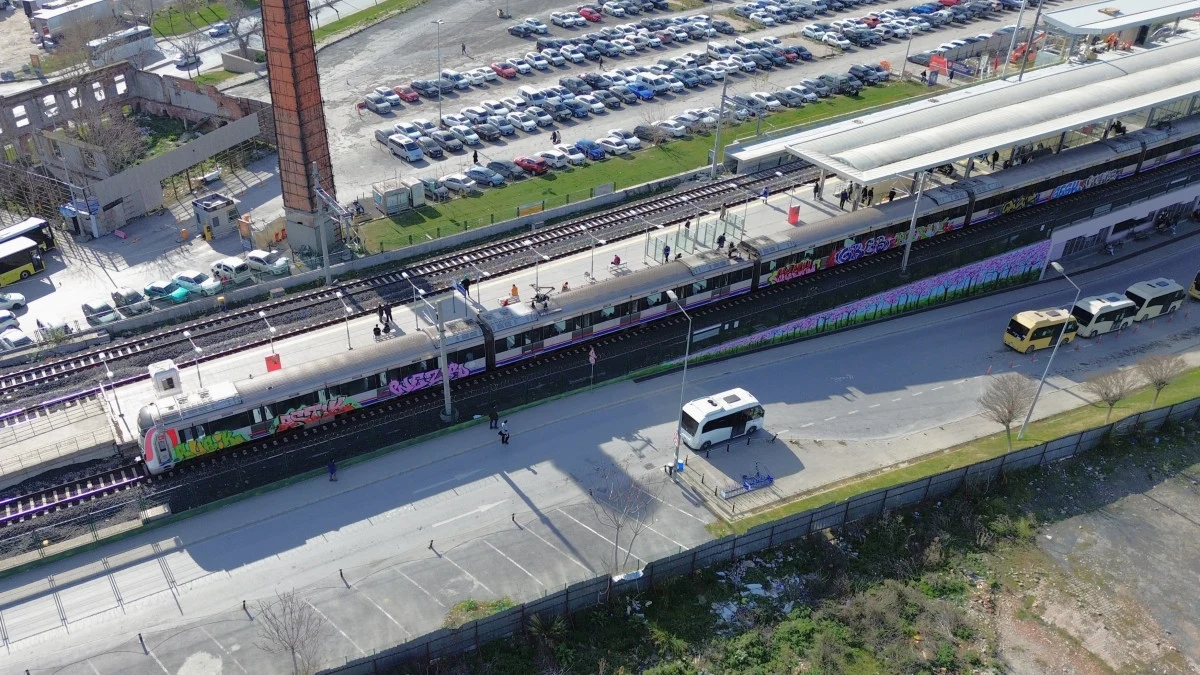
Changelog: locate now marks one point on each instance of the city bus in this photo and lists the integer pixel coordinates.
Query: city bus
(19, 259)
(719, 417)
(121, 46)
(1103, 313)
(1155, 297)
(31, 228)
(1194, 291)
(1039, 329)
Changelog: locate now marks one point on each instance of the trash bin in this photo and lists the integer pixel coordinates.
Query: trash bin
(183, 234)
(208, 233)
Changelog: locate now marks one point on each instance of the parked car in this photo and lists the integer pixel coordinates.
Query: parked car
(554, 158)
(129, 301)
(673, 128)
(464, 133)
(574, 155)
(95, 312)
(534, 165)
(377, 104)
(485, 131)
(406, 94)
(590, 148)
(506, 169)
(454, 119)
(197, 282)
(217, 30)
(484, 176)
(504, 70)
(12, 301)
(818, 87)
(166, 290)
(590, 14)
(458, 182)
(447, 140)
(835, 40)
(625, 136)
(640, 90)
(520, 30)
(500, 122)
(613, 146)
(14, 338)
(539, 115)
(268, 262)
(389, 96)
(430, 148)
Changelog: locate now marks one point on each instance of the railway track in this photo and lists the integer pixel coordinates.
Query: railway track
(42, 502)
(433, 275)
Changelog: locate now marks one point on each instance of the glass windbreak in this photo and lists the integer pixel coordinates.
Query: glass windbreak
(1017, 329)
(1137, 299)
(690, 424)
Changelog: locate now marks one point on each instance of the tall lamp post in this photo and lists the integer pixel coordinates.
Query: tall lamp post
(447, 415)
(687, 351)
(584, 229)
(483, 274)
(196, 348)
(537, 264)
(1057, 268)
(346, 308)
(270, 329)
(419, 293)
(438, 23)
(109, 374)
(712, 172)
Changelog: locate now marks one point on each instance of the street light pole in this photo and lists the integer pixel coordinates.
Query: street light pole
(111, 385)
(584, 229)
(1057, 268)
(712, 172)
(188, 334)
(439, 67)
(349, 347)
(271, 329)
(687, 350)
(537, 263)
(907, 50)
(447, 414)
(482, 275)
(912, 223)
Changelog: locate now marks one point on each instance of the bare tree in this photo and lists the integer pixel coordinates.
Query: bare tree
(189, 46)
(1159, 370)
(290, 625)
(71, 56)
(1006, 400)
(244, 23)
(1111, 387)
(650, 115)
(117, 137)
(621, 503)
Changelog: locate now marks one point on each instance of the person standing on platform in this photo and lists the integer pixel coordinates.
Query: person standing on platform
(816, 189)
(332, 469)
(494, 419)
(504, 433)
(842, 197)
(870, 196)
(666, 253)
(720, 241)
(381, 314)
(891, 194)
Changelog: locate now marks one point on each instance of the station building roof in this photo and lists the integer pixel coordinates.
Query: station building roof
(1114, 16)
(994, 116)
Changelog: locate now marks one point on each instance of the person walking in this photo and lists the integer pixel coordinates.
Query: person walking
(924, 77)
(995, 158)
(464, 49)
(666, 253)
(475, 157)
(721, 241)
(494, 419)
(842, 196)
(951, 74)
(816, 189)
(600, 62)
(766, 192)
(380, 310)
(891, 194)
(332, 469)
(504, 433)
(870, 196)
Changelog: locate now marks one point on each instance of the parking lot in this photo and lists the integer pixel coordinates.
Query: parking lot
(351, 69)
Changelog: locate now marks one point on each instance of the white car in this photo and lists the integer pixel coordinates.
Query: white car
(574, 155)
(627, 48)
(14, 338)
(564, 19)
(408, 129)
(901, 30)
(476, 114)
(487, 74)
(592, 103)
(919, 24)
(425, 126)
(537, 61)
(12, 301)
(613, 146)
(835, 40)
(522, 121)
(197, 282)
(476, 77)
(672, 127)
(771, 40)
(519, 63)
(742, 63)
(812, 31)
(688, 120)
(705, 118)
(572, 54)
(717, 72)
(651, 39)
(463, 133)
(770, 101)
(804, 92)
(514, 104)
(625, 136)
(674, 84)
(457, 182)
(556, 159)
(270, 262)
(553, 56)
(763, 18)
(540, 116)
(454, 120)
(9, 320)
(536, 25)
(495, 107)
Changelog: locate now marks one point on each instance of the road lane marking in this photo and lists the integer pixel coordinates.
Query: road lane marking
(477, 510)
(567, 556)
(939, 387)
(894, 400)
(827, 419)
(515, 563)
(873, 406)
(434, 486)
(681, 546)
(419, 587)
(385, 612)
(668, 504)
(219, 646)
(335, 627)
(473, 578)
(852, 412)
(808, 424)
(918, 393)
(619, 547)
(960, 382)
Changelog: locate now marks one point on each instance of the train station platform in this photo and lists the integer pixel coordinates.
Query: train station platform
(41, 441)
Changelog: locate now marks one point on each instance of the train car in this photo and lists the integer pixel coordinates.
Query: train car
(185, 426)
(520, 331)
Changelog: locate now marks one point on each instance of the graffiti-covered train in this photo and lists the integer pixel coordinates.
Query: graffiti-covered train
(179, 428)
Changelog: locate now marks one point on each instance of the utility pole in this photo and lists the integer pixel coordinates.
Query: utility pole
(712, 173)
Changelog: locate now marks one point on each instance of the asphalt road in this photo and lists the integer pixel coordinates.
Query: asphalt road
(181, 587)
(354, 66)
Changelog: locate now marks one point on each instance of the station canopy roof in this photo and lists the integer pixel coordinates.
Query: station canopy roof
(997, 115)
(1114, 16)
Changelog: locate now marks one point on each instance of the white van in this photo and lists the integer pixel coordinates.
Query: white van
(716, 50)
(720, 417)
(1155, 297)
(1103, 314)
(405, 148)
(531, 95)
(657, 83)
(231, 270)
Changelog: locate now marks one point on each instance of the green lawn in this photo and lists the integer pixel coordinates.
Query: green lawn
(366, 17)
(560, 187)
(171, 21)
(214, 77)
(1185, 388)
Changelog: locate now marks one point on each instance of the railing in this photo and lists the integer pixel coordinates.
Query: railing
(45, 455)
(585, 594)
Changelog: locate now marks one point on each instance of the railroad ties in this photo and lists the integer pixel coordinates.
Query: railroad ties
(27, 507)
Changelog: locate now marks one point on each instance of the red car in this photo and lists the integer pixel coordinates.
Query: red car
(665, 36)
(534, 165)
(504, 70)
(590, 14)
(790, 56)
(407, 94)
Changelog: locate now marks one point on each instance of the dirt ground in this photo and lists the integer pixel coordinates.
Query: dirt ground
(1111, 586)
(15, 46)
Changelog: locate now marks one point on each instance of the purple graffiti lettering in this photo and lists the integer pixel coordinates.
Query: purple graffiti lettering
(300, 416)
(426, 379)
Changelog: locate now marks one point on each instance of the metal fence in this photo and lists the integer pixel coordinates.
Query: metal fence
(584, 594)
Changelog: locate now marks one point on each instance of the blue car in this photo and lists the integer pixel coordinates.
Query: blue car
(640, 90)
(577, 108)
(589, 148)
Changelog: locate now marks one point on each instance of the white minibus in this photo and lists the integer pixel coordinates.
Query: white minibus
(1155, 297)
(720, 417)
(1103, 313)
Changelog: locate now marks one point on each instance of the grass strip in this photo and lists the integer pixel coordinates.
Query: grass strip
(366, 17)
(557, 188)
(1091, 416)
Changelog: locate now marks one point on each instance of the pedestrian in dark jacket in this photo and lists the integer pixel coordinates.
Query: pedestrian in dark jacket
(332, 468)
(388, 311)
(891, 194)
(381, 315)
(870, 196)
(493, 419)
(842, 197)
